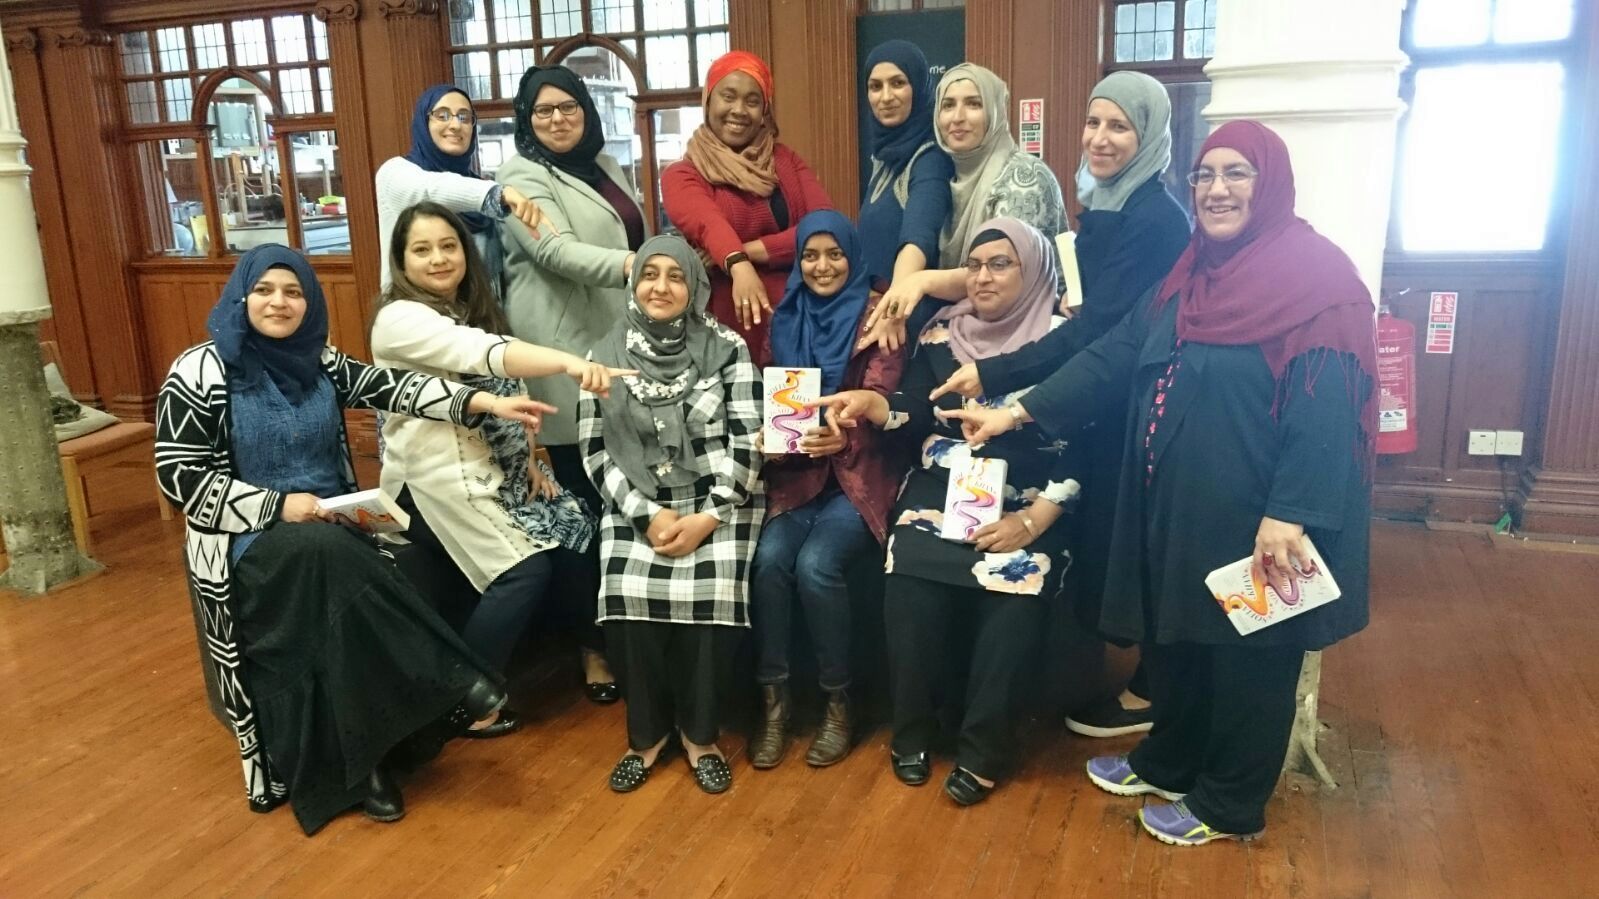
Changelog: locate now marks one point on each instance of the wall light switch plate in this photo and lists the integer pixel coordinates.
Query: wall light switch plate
(1507, 443)
(1482, 443)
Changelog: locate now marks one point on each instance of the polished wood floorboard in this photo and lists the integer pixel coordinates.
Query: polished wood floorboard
(1462, 728)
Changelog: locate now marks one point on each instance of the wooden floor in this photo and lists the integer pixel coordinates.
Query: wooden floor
(1463, 731)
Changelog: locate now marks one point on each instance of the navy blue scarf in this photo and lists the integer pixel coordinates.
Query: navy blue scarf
(429, 158)
(811, 331)
(895, 146)
(294, 363)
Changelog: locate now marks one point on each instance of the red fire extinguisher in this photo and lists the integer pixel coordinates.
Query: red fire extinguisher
(1396, 378)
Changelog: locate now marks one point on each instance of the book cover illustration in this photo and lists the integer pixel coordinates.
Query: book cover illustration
(372, 511)
(975, 497)
(786, 391)
(1251, 604)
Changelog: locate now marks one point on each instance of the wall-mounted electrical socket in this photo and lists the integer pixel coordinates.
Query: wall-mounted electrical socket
(1507, 443)
(1482, 443)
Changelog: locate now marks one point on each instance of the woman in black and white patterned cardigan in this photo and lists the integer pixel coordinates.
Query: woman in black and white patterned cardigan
(324, 657)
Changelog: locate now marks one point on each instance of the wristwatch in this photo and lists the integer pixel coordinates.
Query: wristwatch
(734, 259)
(1015, 410)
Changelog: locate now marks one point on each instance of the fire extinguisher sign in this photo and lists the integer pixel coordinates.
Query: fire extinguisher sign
(1441, 322)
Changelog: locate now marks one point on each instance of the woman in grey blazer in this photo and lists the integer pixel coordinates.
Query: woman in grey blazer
(566, 287)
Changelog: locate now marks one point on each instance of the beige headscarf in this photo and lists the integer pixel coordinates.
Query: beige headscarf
(977, 169)
(750, 169)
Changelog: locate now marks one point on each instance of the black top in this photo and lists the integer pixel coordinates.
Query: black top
(1038, 465)
(1120, 256)
(1222, 462)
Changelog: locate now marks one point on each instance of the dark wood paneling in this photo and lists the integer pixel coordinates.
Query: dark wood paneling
(1562, 495)
(67, 325)
(80, 72)
(1492, 381)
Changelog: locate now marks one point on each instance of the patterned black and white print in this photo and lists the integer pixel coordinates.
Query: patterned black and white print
(564, 520)
(193, 456)
(710, 585)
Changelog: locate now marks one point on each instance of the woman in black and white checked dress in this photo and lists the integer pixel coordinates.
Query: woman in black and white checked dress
(673, 453)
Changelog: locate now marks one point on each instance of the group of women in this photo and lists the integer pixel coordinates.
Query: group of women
(1209, 398)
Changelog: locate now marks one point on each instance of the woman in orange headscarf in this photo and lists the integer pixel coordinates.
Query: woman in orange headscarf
(737, 196)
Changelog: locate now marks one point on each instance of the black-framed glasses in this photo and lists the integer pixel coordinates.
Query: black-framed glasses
(566, 108)
(1234, 174)
(465, 116)
(997, 265)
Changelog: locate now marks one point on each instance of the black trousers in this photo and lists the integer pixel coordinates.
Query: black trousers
(576, 597)
(1223, 715)
(920, 617)
(672, 676)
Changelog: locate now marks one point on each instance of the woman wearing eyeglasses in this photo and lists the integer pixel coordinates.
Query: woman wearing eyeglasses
(1129, 234)
(442, 167)
(565, 287)
(1252, 419)
(996, 585)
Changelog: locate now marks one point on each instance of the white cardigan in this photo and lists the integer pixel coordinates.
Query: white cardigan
(453, 475)
(402, 183)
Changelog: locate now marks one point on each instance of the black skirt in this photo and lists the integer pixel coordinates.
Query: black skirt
(342, 659)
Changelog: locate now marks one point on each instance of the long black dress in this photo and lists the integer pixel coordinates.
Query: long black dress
(1222, 461)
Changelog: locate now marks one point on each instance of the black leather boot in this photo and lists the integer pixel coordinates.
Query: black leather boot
(833, 738)
(771, 738)
(383, 800)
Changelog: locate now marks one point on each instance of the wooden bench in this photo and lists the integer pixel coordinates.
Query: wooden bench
(126, 445)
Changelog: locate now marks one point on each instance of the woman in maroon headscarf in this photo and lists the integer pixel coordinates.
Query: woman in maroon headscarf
(1251, 426)
(737, 195)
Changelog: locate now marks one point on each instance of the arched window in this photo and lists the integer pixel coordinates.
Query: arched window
(231, 125)
(643, 60)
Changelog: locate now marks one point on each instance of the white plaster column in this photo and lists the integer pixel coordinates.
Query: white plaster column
(1325, 76)
(37, 525)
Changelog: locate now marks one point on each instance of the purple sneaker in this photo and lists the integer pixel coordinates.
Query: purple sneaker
(1112, 774)
(1176, 825)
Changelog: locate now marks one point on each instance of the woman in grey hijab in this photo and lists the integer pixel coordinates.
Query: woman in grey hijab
(1128, 237)
(672, 451)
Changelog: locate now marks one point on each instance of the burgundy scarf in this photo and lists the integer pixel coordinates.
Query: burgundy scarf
(1278, 284)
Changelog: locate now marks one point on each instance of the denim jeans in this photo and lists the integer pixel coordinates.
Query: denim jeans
(804, 554)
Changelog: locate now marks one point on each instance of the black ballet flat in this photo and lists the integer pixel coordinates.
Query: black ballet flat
(713, 774)
(509, 722)
(963, 787)
(603, 692)
(383, 802)
(630, 773)
(912, 770)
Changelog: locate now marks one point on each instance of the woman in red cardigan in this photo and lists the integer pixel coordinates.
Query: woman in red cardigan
(737, 195)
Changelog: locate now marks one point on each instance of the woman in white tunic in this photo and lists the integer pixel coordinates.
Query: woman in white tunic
(474, 491)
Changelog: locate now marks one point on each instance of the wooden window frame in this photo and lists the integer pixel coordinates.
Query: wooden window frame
(266, 78)
(1176, 69)
(646, 101)
(198, 129)
(1567, 52)
(864, 8)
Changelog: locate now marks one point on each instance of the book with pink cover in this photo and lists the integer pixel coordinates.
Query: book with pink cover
(785, 392)
(976, 497)
(372, 511)
(1252, 604)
